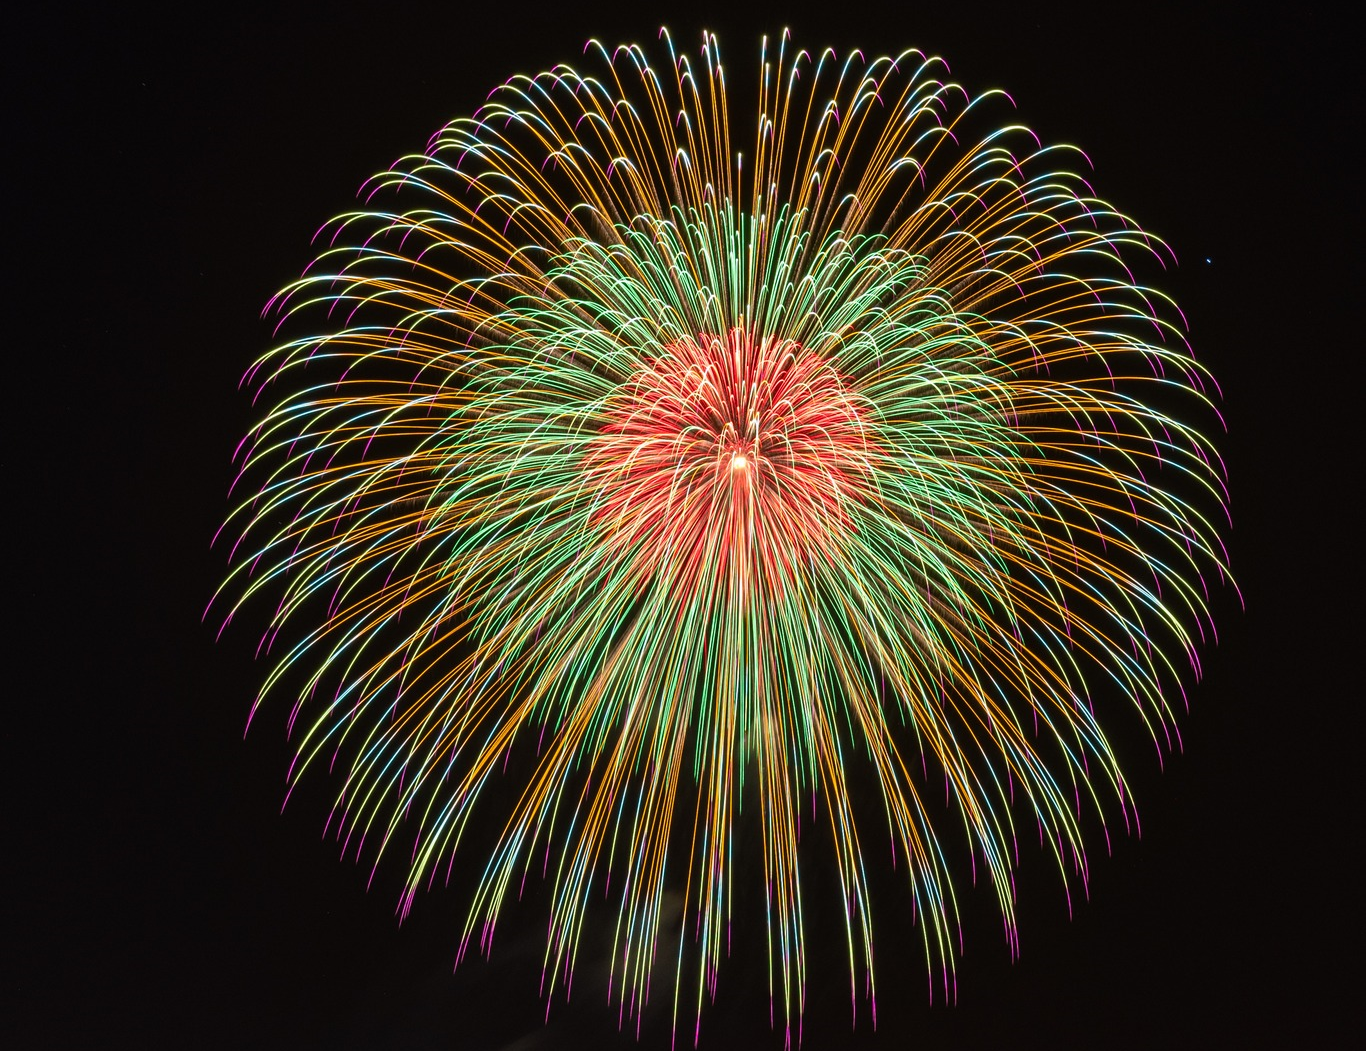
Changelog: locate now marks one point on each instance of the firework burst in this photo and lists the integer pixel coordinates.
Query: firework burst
(856, 455)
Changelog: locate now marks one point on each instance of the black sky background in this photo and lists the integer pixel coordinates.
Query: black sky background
(166, 176)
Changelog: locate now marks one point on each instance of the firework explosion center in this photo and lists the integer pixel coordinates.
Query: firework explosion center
(729, 448)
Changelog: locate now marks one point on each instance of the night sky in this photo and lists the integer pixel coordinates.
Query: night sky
(165, 178)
